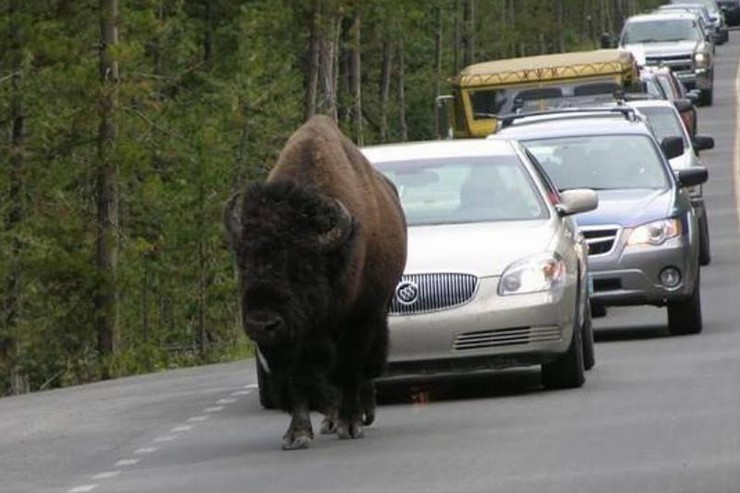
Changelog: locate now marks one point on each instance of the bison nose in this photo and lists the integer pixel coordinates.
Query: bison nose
(265, 328)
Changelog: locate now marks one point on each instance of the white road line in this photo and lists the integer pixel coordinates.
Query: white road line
(251, 386)
(736, 156)
(107, 475)
(241, 392)
(178, 429)
(197, 419)
(83, 488)
(146, 450)
(126, 462)
(213, 409)
(225, 401)
(167, 438)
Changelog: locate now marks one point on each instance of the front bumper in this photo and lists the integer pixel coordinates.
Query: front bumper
(631, 275)
(700, 78)
(489, 332)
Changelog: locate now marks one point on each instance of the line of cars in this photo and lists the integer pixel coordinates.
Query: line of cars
(571, 205)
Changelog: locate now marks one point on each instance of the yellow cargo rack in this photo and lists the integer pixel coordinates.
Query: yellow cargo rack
(548, 68)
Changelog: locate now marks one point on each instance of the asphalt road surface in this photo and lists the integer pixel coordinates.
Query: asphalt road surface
(657, 413)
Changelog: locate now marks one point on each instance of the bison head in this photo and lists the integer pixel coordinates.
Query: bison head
(292, 246)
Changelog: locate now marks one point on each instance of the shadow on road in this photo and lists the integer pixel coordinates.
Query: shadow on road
(479, 385)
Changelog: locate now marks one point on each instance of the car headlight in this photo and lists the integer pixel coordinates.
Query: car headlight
(700, 59)
(542, 272)
(655, 233)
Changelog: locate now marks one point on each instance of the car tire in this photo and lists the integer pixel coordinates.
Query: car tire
(684, 317)
(706, 97)
(267, 391)
(705, 254)
(587, 329)
(568, 372)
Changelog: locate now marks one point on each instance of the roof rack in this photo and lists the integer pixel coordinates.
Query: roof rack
(629, 113)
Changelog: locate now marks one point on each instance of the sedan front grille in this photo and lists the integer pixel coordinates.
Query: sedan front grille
(600, 239)
(505, 337)
(420, 293)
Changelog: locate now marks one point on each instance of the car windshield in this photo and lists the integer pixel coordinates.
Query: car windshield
(488, 103)
(601, 162)
(665, 122)
(661, 31)
(693, 8)
(465, 190)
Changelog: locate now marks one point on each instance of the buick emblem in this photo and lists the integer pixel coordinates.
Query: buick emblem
(407, 292)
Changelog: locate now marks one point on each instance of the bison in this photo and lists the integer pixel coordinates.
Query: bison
(320, 246)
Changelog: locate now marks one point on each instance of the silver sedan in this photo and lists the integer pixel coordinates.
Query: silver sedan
(497, 273)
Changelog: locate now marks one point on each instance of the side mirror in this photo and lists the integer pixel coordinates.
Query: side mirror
(703, 142)
(606, 41)
(691, 177)
(683, 105)
(672, 147)
(577, 201)
(443, 109)
(694, 96)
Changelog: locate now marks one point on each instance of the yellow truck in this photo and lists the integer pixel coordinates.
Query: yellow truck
(485, 90)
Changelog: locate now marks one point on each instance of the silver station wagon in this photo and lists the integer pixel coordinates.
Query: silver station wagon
(497, 273)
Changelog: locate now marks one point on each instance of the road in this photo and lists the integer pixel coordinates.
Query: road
(657, 414)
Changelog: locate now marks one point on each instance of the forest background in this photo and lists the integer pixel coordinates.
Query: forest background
(126, 124)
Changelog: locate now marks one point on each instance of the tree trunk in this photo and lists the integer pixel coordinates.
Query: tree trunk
(385, 85)
(356, 79)
(106, 299)
(437, 66)
(12, 302)
(327, 102)
(456, 38)
(312, 75)
(208, 42)
(402, 93)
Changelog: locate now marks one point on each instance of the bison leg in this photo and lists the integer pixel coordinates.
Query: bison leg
(367, 402)
(300, 432)
(349, 424)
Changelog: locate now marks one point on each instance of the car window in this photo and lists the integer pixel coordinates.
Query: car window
(465, 190)
(661, 31)
(665, 122)
(653, 88)
(601, 162)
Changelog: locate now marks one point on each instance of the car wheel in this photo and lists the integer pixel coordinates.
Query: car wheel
(589, 357)
(706, 97)
(266, 388)
(705, 254)
(568, 372)
(684, 317)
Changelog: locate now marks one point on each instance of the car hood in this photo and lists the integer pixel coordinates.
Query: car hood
(628, 208)
(482, 249)
(674, 48)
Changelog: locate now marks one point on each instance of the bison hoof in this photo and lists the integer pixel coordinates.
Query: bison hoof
(368, 417)
(328, 426)
(347, 430)
(297, 440)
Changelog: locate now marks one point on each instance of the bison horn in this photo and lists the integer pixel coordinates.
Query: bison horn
(233, 221)
(338, 234)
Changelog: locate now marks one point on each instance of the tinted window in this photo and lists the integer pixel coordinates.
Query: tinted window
(665, 123)
(465, 190)
(601, 162)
